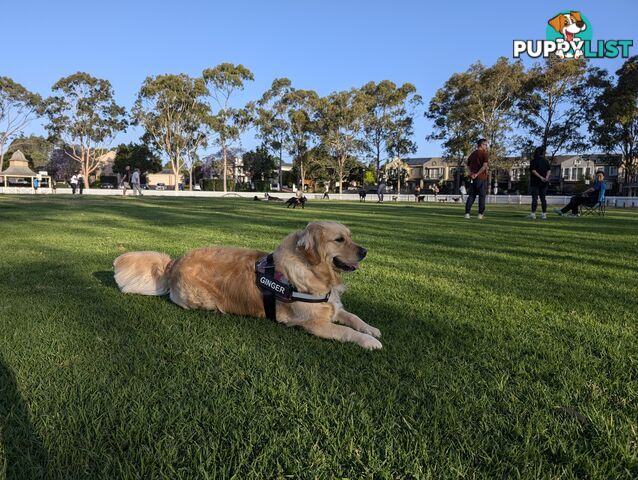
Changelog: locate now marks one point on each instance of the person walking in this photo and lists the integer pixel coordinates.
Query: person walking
(380, 191)
(126, 179)
(478, 163)
(539, 181)
(325, 192)
(435, 189)
(81, 182)
(36, 185)
(135, 182)
(74, 183)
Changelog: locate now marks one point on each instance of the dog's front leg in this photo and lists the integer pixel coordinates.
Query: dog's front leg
(329, 330)
(351, 320)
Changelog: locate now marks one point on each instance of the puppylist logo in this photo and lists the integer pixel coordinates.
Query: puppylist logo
(569, 35)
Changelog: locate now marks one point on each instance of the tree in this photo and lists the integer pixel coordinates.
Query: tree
(260, 165)
(339, 123)
(61, 165)
(548, 107)
(452, 127)
(613, 114)
(196, 140)
(271, 118)
(485, 98)
(18, 107)
(82, 115)
(300, 112)
(171, 109)
(400, 144)
(136, 155)
(36, 149)
(386, 105)
(228, 123)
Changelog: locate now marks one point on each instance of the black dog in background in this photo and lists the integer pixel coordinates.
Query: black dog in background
(294, 202)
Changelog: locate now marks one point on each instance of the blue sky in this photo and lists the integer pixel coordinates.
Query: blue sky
(326, 46)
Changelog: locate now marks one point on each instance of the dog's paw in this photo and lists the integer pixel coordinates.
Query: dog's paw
(370, 343)
(370, 330)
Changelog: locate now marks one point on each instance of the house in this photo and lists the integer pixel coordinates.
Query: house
(567, 172)
(167, 177)
(423, 172)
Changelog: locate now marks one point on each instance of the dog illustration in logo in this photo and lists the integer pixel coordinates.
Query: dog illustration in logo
(568, 25)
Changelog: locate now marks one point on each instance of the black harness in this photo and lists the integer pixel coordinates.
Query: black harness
(275, 287)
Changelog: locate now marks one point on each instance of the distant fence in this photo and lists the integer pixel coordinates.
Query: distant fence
(620, 202)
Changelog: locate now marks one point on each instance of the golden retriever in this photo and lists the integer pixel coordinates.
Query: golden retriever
(223, 279)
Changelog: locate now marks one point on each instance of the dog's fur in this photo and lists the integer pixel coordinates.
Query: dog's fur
(362, 195)
(295, 201)
(223, 279)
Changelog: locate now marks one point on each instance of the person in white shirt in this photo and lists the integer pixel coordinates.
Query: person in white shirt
(463, 192)
(74, 183)
(135, 182)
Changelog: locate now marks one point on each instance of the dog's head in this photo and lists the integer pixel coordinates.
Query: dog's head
(568, 24)
(330, 243)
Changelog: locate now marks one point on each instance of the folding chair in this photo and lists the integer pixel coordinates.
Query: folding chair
(597, 209)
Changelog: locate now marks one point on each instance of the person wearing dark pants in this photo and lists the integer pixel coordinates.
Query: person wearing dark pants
(477, 163)
(539, 181)
(589, 197)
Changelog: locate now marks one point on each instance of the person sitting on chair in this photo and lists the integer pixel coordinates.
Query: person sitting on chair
(589, 197)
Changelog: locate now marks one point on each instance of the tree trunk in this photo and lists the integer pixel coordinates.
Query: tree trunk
(225, 167)
(341, 162)
(190, 179)
(281, 161)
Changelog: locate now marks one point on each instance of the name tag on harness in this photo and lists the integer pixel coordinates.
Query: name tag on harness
(282, 291)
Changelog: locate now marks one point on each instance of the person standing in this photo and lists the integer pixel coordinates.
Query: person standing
(539, 181)
(417, 192)
(435, 189)
(81, 182)
(380, 191)
(74, 183)
(326, 191)
(126, 179)
(477, 163)
(135, 182)
(36, 185)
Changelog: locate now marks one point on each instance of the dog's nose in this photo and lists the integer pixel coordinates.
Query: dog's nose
(580, 24)
(362, 253)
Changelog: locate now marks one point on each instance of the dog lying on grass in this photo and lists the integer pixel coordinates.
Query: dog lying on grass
(296, 201)
(224, 279)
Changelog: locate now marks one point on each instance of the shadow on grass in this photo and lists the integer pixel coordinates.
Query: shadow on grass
(106, 279)
(24, 454)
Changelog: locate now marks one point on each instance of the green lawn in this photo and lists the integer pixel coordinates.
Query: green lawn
(510, 348)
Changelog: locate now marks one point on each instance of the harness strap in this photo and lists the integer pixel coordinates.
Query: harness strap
(268, 297)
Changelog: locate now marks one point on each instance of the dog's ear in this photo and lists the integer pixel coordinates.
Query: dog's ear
(576, 16)
(308, 243)
(558, 22)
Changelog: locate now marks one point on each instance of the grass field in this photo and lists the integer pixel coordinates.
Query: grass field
(510, 348)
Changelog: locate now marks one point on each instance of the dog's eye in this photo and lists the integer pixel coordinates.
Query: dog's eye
(340, 239)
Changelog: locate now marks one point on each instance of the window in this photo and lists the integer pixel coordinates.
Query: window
(587, 172)
(566, 174)
(613, 171)
(579, 174)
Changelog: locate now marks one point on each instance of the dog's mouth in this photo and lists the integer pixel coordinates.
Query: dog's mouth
(343, 266)
(569, 36)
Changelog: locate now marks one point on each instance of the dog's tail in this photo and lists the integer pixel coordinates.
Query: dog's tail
(146, 273)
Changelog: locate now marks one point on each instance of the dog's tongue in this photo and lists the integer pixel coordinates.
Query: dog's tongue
(570, 36)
